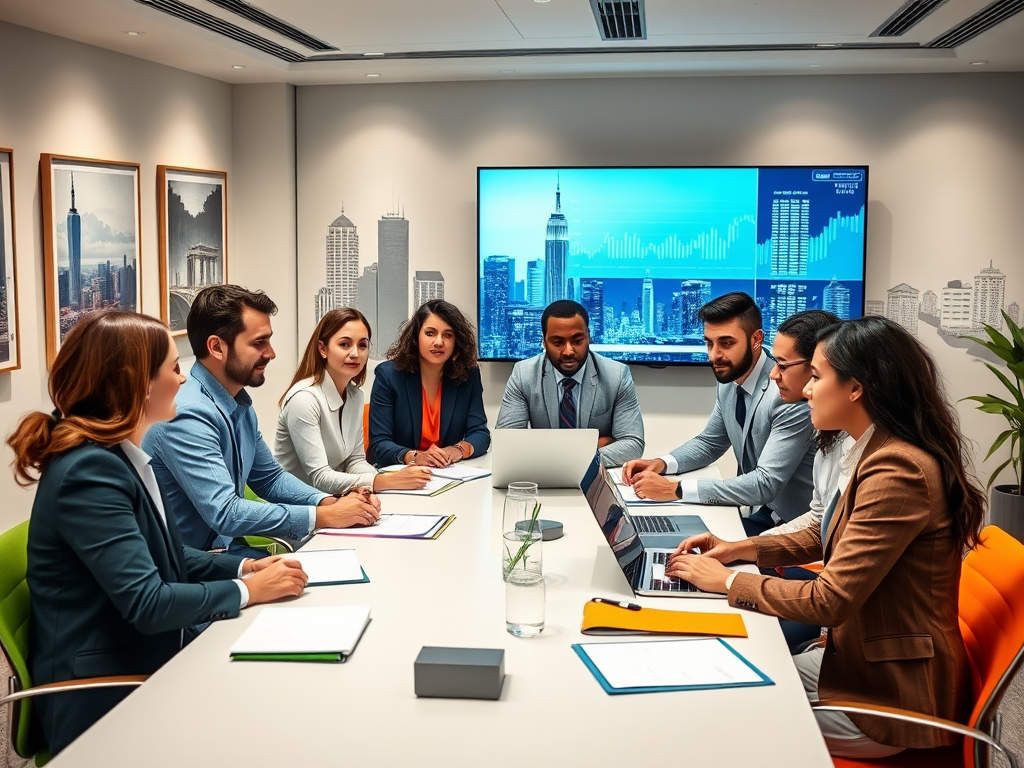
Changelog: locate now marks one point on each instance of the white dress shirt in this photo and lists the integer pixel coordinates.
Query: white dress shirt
(140, 461)
(689, 484)
(578, 378)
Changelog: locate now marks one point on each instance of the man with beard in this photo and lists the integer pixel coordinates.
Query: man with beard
(773, 440)
(212, 449)
(568, 386)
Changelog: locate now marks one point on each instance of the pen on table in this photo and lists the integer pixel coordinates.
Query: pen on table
(621, 603)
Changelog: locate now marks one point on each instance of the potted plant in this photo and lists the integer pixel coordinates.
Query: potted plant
(1006, 507)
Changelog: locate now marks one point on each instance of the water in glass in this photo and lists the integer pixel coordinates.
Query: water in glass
(522, 568)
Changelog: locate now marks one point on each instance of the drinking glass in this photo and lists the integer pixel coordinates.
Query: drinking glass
(522, 566)
(520, 503)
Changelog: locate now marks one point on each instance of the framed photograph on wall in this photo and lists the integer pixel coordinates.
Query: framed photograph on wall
(193, 238)
(91, 241)
(10, 351)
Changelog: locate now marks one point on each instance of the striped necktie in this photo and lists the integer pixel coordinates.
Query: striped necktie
(567, 406)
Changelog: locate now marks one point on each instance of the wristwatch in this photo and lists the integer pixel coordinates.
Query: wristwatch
(413, 459)
(679, 490)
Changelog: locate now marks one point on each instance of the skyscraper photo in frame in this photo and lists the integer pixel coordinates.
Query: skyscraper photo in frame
(643, 248)
(90, 239)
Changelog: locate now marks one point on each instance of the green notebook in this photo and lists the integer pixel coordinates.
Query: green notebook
(292, 633)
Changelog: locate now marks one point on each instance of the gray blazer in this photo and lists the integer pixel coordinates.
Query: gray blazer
(607, 403)
(781, 442)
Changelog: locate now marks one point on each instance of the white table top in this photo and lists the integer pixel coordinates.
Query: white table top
(203, 709)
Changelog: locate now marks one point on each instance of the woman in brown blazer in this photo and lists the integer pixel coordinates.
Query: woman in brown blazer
(908, 511)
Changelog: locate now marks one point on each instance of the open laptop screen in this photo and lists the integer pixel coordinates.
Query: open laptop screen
(610, 512)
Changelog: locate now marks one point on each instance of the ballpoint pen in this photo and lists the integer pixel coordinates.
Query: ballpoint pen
(621, 603)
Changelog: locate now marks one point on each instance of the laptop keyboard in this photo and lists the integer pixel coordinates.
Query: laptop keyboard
(662, 583)
(653, 524)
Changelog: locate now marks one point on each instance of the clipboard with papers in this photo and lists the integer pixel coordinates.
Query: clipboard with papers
(326, 633)
(330, 566)
(654, 666)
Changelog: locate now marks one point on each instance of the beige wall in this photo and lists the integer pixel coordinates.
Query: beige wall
(946, 154)
(66, 98)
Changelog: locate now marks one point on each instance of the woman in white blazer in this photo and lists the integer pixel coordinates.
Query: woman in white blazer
(320, 429)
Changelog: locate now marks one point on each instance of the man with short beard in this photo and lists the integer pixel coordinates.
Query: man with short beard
(212, 449)
(773, 441)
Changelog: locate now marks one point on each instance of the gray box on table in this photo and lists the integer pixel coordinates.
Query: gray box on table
(459, 673)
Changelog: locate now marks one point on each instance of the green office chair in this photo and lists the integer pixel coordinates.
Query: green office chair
(14, 616)
(271, 544)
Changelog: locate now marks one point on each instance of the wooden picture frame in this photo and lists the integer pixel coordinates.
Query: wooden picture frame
(100, 232)
(193, 229)
(10, 332)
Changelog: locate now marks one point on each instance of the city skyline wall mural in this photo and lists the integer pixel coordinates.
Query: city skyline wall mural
(193, 238)
(91, 241)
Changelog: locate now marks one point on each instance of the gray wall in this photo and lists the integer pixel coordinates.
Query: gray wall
(946, 154)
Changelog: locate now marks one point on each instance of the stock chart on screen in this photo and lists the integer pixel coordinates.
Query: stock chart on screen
(642, 249)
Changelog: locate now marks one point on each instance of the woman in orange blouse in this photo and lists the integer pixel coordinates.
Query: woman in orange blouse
(427, 404)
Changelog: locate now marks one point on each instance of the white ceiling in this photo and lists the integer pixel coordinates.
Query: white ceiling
(512, 28)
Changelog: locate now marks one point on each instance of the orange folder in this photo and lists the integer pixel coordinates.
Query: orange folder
(610, 619)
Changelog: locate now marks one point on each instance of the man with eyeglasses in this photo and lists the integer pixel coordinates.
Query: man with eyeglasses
(770, 434)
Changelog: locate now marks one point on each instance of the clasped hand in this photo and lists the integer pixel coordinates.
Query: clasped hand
(436, 456)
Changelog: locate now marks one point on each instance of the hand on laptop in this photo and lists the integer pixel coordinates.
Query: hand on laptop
(633, 468)
(715, 548)
(703, 572)
(649, 485)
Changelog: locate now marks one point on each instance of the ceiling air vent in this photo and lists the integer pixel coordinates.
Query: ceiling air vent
(620, 19)
(206, 21)
(906, 17)
(274, 24)
(982, 21)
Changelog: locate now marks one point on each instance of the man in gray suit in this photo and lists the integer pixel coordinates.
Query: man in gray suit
(568, 386)
(773, 440)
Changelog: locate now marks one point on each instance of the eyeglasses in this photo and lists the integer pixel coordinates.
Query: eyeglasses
(783, 366)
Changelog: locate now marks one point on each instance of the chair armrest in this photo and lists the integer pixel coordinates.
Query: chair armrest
(894, 713)
(74, 685)
(261, 542)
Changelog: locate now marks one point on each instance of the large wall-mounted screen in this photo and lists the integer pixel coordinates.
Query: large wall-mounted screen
(643, 248)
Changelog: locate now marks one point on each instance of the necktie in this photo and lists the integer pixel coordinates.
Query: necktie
(741, 406)
(567, 406)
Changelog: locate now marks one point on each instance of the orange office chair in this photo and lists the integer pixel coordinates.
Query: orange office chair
(992, 623)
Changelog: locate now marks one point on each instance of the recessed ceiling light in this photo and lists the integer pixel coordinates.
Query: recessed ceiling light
(506, 71)
(826, 45)
(542, 1)
(373, 74)
(978, 63)
(238, 66)
(373, 54)
(133, 33)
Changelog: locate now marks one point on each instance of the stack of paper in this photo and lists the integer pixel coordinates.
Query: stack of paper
(303, 634)
(462, 472)
(330, 566)
(398, 527)
(435, 485)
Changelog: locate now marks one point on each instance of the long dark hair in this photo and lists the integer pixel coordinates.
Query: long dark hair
(405, 352)
(904, 396)
(312, 364)
(99, 384)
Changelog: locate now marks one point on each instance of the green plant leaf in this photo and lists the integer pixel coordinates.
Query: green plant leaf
(998, 443)
(1007, 383)
(1017, 369)
(997, 338)
(995, 474)
(1015, 330)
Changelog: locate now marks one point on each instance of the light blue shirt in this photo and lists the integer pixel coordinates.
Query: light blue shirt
(207, 454)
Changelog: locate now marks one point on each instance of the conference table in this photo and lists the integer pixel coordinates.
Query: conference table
(204, 709)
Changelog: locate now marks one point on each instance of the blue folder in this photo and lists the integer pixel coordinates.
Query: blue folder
(764, 679)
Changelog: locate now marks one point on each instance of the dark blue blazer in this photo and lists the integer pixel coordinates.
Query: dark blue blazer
(111, 587)
(396, 414)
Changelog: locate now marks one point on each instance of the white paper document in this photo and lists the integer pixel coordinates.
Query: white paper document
(394, 525)
(436, 484)
(629, 495)
(328, 629)
(329, 566)
(454, 472)
(703, 662)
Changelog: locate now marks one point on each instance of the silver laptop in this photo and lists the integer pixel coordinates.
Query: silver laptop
(551, 458)
(641, 556)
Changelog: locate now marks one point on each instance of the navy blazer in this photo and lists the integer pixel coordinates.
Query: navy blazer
(111, 587)
(396, 414)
